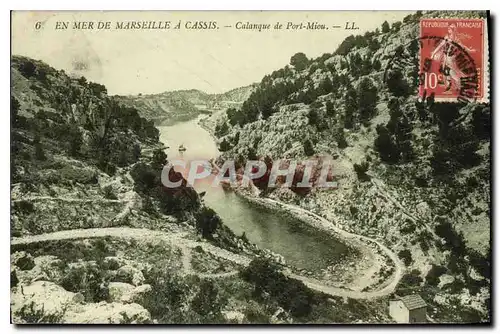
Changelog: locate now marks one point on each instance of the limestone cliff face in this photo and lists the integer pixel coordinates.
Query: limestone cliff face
(414, 175)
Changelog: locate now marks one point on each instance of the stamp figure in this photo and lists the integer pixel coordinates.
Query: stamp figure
(453, 60)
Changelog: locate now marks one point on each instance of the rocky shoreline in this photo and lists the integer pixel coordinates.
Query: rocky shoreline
(371, 269)
(372, 260)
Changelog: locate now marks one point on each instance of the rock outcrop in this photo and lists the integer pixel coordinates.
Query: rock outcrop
(47, 302)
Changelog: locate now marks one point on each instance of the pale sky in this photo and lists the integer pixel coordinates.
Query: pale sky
(154, 61)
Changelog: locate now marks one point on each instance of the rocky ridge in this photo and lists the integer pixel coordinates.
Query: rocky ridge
(413, 175)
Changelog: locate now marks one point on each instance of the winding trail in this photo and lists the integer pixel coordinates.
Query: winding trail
(129, 200)
(68, 199)
(185, 245)
(179, 239)
(328, 226)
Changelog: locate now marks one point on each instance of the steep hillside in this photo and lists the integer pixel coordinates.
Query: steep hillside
(414, 175)
(182, 105)
(96, 238)
(81, 162)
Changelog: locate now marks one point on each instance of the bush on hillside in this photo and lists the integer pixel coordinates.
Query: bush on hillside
(361, 170)
(87, 278)
(385, 27)
(340, 138)
(108, 193)
(159, 159)
(207, 222)
(385, 145)
(367, 99)
(396, 84)
(405, 255)
(299, 61)
(290, 294)
(433, 275)
(308, 148)
(209, 302)
(144, 176)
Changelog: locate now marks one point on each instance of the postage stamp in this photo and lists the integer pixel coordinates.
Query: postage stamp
(454, 60)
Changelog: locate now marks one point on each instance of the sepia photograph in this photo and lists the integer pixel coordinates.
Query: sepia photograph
(250, 167)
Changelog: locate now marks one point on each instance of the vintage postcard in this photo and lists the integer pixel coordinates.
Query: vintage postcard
(250, 167)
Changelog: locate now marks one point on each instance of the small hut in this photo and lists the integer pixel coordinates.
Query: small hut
(408, 309)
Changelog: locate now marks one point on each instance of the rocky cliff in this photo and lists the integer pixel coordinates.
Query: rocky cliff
(81, 161)
(414, 175)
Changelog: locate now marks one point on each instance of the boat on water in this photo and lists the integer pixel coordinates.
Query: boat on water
(182, 148)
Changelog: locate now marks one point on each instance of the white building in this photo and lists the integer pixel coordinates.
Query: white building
(408, 309)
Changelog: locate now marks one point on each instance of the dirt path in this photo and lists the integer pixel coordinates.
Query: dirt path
(129, 200)
(187, 267)
(186, 258)
(185, 245)
(117, 232)
(68, 199)
(179, 239)
(329, 226)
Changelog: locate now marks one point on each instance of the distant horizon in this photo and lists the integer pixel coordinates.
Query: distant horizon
(151, 62)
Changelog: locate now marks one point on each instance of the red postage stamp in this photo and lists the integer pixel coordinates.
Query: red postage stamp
(454, 60)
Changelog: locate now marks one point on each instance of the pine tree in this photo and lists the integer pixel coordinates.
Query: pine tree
(159, 159)
(14, 108)
(299, 61)
(385, 145)
(308, 148)
(340, 138)
(224, 145)
(330, 111)
(367, 99)
(221, 129)
(75, 140)
(396, 83)
(404, 139)
(385, 27)
(326, 86)
(351, 107)
(39, 151)
(313, 117)
(356, 64)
